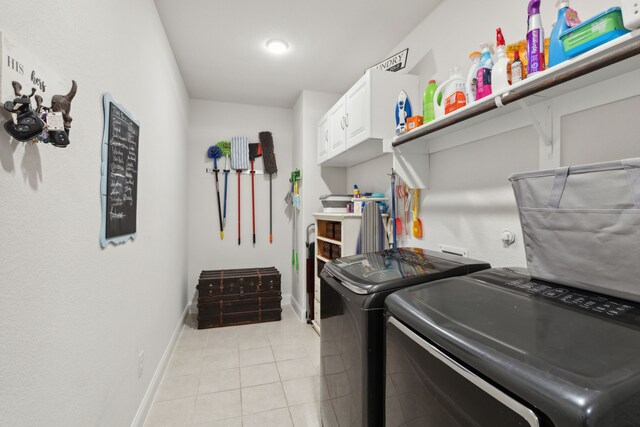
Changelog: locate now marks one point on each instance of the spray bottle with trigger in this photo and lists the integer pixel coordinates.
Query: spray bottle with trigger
(485, 68)
(500, 79)
(535, 39)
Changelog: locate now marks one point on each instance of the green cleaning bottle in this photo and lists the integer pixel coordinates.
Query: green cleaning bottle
(428, 112)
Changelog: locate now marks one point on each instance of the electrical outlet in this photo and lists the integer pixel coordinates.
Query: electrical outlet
(140, 363)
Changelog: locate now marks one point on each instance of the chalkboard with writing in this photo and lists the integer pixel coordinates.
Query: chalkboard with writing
(119, 174)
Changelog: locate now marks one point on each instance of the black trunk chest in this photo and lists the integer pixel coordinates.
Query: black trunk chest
(237, 297)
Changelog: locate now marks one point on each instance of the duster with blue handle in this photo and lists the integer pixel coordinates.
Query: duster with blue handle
(225, 147)
(215, 153)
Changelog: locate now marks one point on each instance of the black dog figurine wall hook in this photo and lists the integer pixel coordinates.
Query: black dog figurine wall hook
(28, 124)
(25, 124)
(62, 104)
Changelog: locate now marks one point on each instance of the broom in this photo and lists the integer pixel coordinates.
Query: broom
(270, 167)
(239, 162)
(225, 147)
(254, 151)
(215, 153)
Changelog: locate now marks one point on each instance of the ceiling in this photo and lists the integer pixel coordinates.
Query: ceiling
(220, 45)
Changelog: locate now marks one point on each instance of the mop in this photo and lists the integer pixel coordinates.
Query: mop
(225, 147)
(215, 153)
(270, 167)
(295, 203)
(239, 162)
(254, 151)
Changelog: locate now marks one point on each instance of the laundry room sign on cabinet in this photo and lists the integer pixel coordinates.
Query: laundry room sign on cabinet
(351, 132)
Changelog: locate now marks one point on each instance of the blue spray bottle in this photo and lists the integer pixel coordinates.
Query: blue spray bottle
(485, 68)
(556, 51)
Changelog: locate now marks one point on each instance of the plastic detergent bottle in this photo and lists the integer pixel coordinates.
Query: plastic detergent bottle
(428, 112)
(535, 39)
(500, 72)
(484, 73)
(454, 94)
(556, 51)
(472, 77)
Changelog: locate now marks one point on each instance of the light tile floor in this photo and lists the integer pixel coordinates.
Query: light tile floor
(253, 375)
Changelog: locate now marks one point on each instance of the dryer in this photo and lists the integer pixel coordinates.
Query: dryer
(500, 349)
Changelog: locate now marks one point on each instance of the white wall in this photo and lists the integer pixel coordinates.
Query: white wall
(211, 122)
(469, 201)
(316, 181)
(72, 315)
(368, 182)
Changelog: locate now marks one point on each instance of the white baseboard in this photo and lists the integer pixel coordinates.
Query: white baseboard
(286, 299)
(145, 405)
(297, 308)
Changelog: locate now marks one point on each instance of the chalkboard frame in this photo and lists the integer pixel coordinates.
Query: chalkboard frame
(107, 101)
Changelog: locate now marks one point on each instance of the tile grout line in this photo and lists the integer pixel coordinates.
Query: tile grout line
(195, 402)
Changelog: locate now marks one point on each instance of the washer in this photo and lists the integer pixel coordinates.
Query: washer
(498, 348)
(352, 294)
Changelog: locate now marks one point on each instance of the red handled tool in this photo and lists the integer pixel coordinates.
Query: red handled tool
(239, 162)
(254, 151)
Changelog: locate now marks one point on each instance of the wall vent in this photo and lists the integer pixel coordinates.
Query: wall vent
(452, 250)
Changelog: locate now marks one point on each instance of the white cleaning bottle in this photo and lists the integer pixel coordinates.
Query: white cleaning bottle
(472, 77)
(500, 74)
(454, 94)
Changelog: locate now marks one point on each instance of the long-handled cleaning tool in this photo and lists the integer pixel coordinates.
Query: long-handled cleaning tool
(399, 218)
(393, 208)
(254, 151)
(295, 202)
(295, 176)
(239, 162)
(417, 223)
(215, 153)
(270, 167)
(225, 147)
(407, 207)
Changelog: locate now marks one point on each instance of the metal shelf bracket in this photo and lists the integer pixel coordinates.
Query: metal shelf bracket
(544, 136)
(544, 130)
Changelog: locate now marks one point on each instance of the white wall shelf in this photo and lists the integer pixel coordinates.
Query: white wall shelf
(325, 239)
(607, 74)
(321, 258)
(610, 60)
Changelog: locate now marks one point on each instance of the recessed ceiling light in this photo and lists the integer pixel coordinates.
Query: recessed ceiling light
(277, 46)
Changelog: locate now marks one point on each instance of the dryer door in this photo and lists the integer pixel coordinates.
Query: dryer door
(426, 387)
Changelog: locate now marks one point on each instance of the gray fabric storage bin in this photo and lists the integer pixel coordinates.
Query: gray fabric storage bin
(581, 226)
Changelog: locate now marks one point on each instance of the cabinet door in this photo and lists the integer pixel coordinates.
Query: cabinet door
(337, 133)
(358, 116)
(323, 139)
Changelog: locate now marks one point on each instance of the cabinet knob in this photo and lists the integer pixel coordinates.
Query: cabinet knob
(342, 122)
(346, 120)
(326, 135)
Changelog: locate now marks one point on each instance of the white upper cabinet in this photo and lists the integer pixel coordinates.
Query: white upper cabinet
(358, 115)
(323, 138)
(337, 126)
(363, 117)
